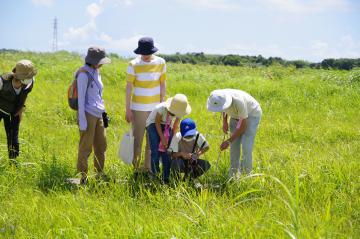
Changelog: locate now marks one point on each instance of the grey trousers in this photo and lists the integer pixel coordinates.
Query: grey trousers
(244, 142)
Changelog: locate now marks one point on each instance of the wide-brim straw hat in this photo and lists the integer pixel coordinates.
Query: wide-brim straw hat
(96, 56)
(24, 69)
(219, 101)
(178, 105)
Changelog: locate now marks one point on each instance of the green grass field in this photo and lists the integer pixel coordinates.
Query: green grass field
(305, 184)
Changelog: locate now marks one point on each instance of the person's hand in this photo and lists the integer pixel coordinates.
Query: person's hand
(225, 127)
(224, 145)
(164, 142)
(19, 113)
(129, 116)
(186, 156)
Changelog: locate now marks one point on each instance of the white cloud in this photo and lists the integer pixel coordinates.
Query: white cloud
(347, 47)
(212, 4)
(123, 44)
(291, 6)
(94, 10)
(298, 6)
(87, 31)
(82, 33)
(46, 3)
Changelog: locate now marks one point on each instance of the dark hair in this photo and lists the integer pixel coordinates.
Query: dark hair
(88, 64)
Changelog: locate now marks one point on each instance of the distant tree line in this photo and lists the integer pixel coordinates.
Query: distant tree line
(252, 61)
(256, 61)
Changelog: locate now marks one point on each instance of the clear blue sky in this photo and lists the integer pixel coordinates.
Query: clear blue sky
(292, 29)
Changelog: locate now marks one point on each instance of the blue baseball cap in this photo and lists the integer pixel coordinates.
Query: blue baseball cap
(187, 127)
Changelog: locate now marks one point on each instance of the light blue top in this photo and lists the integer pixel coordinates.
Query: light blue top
(89, 98)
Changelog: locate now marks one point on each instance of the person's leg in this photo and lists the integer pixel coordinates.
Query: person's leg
(166, 166)
(234, 151)
(11, 124)
(177, 167)
(99, 145)
(138, 127)
(202, 167)
(85, 145)
(15, 123)
(248, 142)
(154, 146)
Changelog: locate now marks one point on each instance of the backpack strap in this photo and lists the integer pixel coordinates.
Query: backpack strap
(90, 77)
(195, 143)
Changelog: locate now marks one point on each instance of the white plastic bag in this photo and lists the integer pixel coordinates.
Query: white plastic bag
(126, 149)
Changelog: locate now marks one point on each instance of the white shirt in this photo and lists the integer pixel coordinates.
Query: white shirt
(243, 105)
(174, 145)
(159, 109)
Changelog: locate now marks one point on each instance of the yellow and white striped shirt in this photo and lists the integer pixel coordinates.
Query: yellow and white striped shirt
(146, 78)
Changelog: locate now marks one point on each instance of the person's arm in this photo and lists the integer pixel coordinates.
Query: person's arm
(130, 79)
(202, 151)
(82, 82)
(175, 125)
(202, 143)
(23, 96)
(182, 155)
(225, 123)
(162, 91)
(237, 133)
(159, 130)
(128, 113)
(163, 84)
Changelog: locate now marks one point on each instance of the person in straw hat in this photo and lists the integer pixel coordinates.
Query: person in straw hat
(161, 124)
(14, 88)
(245, 114)
(145, 88)
(92, 118)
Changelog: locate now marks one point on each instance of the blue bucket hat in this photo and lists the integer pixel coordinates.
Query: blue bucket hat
(145, 46)
(187, 127)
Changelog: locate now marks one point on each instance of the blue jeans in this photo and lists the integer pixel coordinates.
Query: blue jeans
(154, 139)
(246, 141)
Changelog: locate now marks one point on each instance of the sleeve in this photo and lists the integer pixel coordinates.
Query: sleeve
(130, 73)
(201, 140)
(174, 145)
(82, 81)
(163, 74)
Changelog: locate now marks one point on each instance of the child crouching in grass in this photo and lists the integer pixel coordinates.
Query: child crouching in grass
(186, 148)
(160, 128)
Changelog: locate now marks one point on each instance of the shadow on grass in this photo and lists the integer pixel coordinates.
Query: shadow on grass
(53, 175)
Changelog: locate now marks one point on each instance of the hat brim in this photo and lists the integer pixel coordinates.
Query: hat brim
(105, 60)
(142, 51)
(30, 75)
(178, 114)
(191, 132)
(219, 108)
(102, 61)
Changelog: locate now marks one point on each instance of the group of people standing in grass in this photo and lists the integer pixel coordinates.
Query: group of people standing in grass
(148, 112)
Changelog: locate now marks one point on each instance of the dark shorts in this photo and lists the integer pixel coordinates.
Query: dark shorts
(193, 171)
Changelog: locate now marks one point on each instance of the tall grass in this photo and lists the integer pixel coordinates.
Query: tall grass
(305, 182)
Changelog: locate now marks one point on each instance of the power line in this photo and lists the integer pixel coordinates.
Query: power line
(55, 45)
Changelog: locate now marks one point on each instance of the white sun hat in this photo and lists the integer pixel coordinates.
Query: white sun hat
(178, 105)
(219, 101)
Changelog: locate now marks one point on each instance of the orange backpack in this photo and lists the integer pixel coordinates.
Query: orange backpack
(73, 91)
